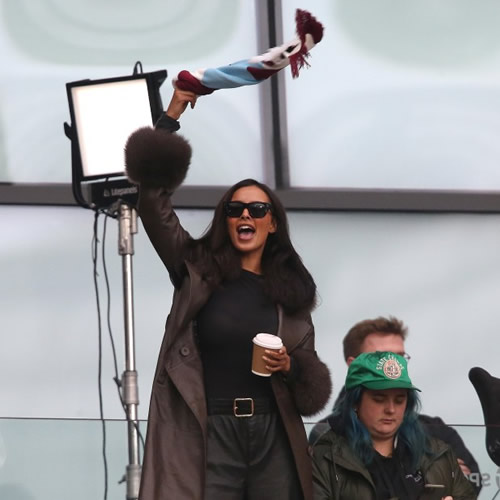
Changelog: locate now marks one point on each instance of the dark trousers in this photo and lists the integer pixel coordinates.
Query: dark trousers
(250, 459)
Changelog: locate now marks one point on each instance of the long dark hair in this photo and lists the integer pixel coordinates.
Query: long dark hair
(286, 280)
(410, 433)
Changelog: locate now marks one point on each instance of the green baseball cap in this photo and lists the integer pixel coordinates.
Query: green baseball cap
(379, 370)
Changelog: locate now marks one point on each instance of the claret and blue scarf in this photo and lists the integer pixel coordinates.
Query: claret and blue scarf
(258, 68)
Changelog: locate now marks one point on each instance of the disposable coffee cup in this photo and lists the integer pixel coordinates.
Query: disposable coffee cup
(261, 343)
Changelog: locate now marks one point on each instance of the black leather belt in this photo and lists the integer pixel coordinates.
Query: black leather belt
(240, 407)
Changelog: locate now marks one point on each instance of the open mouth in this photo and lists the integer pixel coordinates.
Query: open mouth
(245, 231)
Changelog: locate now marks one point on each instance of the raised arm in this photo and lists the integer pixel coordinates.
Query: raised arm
(157, 159)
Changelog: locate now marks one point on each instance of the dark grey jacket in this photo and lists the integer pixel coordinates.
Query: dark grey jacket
(339, 475)
(436, 428)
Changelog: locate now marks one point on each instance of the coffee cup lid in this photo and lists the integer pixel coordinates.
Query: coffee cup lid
(268, 341)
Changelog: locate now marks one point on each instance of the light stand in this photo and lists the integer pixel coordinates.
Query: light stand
(104, 113)
(128, 227)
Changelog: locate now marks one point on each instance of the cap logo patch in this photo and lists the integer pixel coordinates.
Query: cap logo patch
(391, 367)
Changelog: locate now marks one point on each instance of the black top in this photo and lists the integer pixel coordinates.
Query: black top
(234, 314)
(392, 478)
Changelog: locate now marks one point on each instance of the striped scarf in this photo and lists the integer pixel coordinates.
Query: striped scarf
(258, 68)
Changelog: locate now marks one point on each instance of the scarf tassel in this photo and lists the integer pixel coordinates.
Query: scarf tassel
(306, 24)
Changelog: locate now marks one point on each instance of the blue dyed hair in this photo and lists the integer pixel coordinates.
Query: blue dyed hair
(410, 433)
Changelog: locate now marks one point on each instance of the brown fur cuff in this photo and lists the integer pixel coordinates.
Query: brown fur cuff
(156, 157)
(312, 386)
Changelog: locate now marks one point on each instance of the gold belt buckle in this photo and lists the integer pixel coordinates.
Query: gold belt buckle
(235, 407)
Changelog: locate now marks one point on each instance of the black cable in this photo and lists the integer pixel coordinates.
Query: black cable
(108, 311)
(95, 244)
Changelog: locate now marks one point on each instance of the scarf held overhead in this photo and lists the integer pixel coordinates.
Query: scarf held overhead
(257, 68)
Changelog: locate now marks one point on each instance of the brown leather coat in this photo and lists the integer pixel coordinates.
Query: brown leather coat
(174, 461)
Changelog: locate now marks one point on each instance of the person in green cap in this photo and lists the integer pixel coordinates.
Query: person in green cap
(376, 448)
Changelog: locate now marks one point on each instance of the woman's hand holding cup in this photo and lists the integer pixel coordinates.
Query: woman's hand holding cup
(277, 361)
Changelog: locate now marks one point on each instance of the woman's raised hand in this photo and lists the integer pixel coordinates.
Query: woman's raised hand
(179, 101)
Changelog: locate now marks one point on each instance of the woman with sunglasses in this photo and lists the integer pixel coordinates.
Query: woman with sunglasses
(216, 430)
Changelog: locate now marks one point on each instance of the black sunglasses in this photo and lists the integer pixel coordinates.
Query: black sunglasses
(256, 209)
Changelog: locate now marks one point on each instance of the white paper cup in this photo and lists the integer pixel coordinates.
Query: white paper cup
(261, 343)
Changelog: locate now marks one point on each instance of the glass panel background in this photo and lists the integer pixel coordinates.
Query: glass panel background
(400, 94)
(61, 459)
(45, 459)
